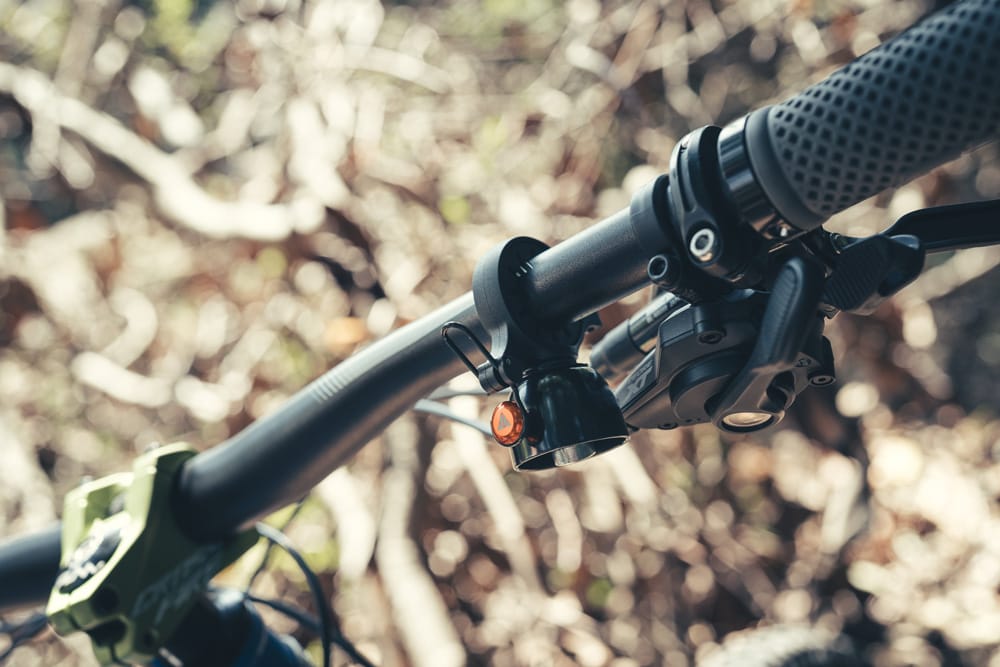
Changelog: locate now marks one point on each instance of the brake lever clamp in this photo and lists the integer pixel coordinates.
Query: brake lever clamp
(707, 217)
(737, 362)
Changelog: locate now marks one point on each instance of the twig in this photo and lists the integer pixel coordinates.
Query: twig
(22, 480)
(47, 147)
(420, 613)
(941, 280)
(356, 529)
(619, 75)
(56, 266)
(569, 533)
(140, 325)
(399, 65)
(127, 386)
(176, 195)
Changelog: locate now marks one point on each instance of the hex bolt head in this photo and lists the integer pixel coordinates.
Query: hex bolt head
(658, 267)
(820, 380)
(711, 337)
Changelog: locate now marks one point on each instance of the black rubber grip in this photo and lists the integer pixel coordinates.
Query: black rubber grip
(911, 104)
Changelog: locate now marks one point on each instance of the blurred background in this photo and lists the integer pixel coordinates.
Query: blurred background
(207, 204)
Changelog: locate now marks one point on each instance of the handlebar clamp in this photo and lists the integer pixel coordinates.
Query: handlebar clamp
(129, 573)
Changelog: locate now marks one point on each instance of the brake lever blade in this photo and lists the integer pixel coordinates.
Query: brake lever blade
(943, 228)
(792, 310)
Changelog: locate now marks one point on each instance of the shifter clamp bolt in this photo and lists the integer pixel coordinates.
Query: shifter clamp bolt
(703, 245)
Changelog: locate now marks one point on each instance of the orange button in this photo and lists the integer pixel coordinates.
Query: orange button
(507, 423)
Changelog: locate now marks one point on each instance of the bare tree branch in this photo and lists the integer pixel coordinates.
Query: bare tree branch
(176, 194)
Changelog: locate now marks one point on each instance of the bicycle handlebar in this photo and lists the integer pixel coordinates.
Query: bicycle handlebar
(822, 131)
(912, 103)
(28, 567)
(278, 460)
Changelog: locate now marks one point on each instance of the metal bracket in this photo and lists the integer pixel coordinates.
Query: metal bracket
(520, 341)
(716, 240)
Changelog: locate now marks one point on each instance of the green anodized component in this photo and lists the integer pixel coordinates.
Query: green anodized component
(129, 574)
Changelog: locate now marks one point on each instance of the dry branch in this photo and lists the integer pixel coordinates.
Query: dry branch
(420, 613)
(177, 195)
(22, 481)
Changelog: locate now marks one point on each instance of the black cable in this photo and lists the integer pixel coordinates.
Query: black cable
(270, 545)
(330, 632)
(23, 632)
(278, 538)
(326, 626)
(300, 616)
(7, 628)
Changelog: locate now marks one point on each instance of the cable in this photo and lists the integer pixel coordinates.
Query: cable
(300, 616)
(326, 626)
(278, 538)
(270, 545)
(441, 410)
(23, 632)
(329, 628)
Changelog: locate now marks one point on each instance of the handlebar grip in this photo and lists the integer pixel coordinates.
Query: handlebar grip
(908, 105)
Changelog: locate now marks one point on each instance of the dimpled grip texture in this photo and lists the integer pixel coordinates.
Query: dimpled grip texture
(910, 104)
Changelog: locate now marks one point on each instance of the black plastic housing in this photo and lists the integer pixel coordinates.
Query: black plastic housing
(571, 416)
(29, 565)
(703, 349)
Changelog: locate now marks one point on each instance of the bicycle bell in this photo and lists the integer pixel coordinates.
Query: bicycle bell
(559, 411)
(559, 417)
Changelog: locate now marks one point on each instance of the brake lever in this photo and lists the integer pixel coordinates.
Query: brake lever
(744, 356)
(870, 270)
(943, 228)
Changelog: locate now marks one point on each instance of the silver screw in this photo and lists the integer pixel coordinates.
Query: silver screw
(703, 245)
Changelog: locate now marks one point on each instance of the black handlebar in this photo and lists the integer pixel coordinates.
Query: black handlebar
(277, 460)
(28, 567)
(910, 104)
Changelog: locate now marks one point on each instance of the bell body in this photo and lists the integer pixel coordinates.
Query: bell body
(571, 415)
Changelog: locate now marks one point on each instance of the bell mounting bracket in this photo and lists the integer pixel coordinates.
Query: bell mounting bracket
(520, 342)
